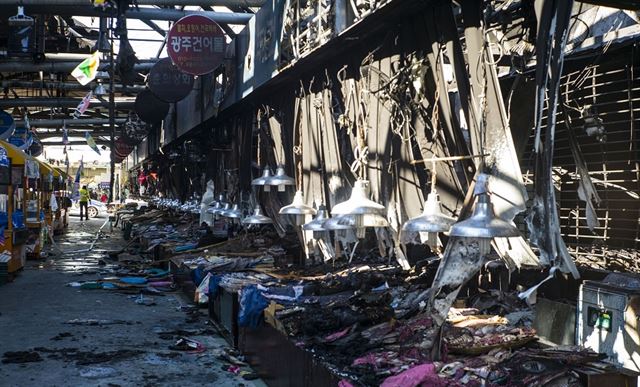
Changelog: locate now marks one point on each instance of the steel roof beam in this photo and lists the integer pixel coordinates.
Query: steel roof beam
(27, 66)
(200, 3)
(99, 142)
(54, 135)
(155, 27)
(53, 85)
(59, 122)
(140, 13)
(60, 102)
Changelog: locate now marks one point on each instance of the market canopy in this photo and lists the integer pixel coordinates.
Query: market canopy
(45, 168)
(17, 156)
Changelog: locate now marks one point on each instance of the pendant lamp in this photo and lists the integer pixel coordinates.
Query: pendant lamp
(214, 207)
(222, 210)
(262, 180)
(432, 220)
(298, 208)
(233, 213)
(280, 179)
(317, 224)
(484, 224)
(359, 205)
(257, 217)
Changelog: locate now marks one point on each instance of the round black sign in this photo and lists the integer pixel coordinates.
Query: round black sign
(134, 130)
(149, 108)
(167, 82)
(36, 148)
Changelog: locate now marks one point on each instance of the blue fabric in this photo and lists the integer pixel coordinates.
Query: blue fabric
(17, 219)
(252, 303)
(214, 285)
(197, 275)
(189, 246)
(133, 280)
(153, 272)
(4, 220)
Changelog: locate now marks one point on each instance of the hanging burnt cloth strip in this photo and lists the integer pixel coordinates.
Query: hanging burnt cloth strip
(462, 257)
(506, 184)
(543, 221)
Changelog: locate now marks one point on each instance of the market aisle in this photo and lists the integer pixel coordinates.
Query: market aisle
(113, 341)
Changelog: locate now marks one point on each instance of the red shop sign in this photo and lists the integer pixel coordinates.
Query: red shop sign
(195, 44)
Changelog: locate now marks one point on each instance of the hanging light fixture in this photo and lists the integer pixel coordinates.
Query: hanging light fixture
(593, 124)
(280, 179)
(216, 204)
(337, 224)
(359, 205)
(257, 217)
(99, 90)
(483, 224)
(298, 209)
(262, 180)
(233, 213)
(432, 220)
(213, 207)
(223, 209)
(317, 224)
(20, 20)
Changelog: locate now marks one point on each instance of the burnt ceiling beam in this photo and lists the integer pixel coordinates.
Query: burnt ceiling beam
(53, 135)
(8, 103)
(81, 142)
(59, 122)
(67, 86)
(140, 13)
(623, 4)
(24, 66)
(200, 3)
(155, 27)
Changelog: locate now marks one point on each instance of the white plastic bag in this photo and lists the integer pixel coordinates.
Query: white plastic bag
(207, 199)
(53, 203)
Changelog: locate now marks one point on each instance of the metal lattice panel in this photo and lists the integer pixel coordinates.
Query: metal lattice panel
(611, 89)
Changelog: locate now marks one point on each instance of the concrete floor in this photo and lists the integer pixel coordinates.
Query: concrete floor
(131, 350)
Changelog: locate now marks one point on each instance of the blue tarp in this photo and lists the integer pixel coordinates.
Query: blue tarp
(252, 303)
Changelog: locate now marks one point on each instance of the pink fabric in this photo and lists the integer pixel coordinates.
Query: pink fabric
(337, 335)
(161, 283)
(344, 383)
(423, 375)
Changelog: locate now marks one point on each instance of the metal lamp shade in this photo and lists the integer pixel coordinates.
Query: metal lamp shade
(263, 180)
(361, 222)
(359, 202)
(280, 179)
(484, 223)
(222, 210)
(317, 224)
(297, 208)
(99, 90)
(257, 217)
(214, 208)
(431, 220)
(336, 223)
(233, 213)
(360, 210)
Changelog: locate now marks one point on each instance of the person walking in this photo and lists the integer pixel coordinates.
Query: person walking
(84, 202)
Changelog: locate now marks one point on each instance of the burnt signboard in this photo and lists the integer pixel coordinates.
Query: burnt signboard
(167, 82)
(195, 44)
(149, 108)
